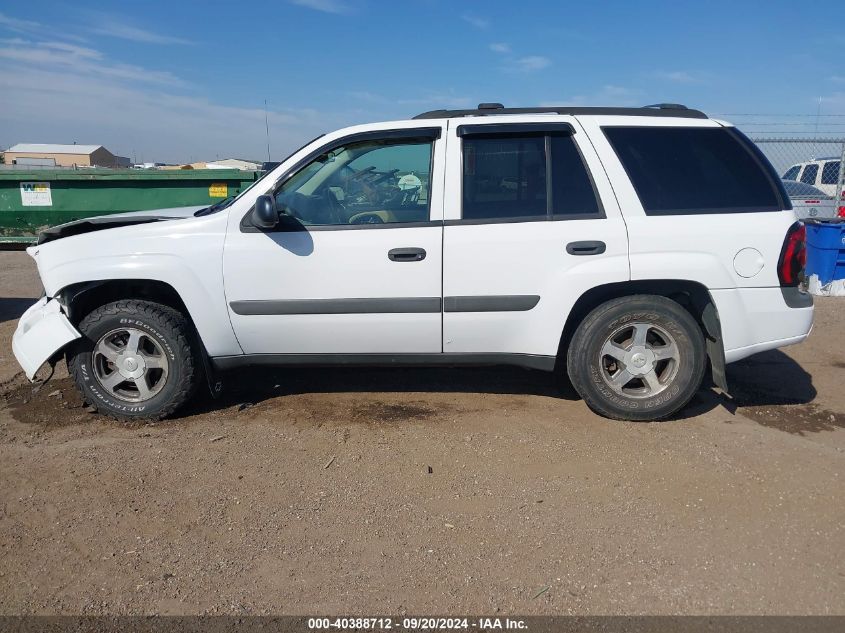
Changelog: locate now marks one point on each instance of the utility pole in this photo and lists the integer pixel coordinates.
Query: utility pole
(267, 129)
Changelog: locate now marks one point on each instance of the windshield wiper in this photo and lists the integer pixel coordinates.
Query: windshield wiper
(214, 208)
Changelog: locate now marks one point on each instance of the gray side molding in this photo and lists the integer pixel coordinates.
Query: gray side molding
(491, 303)
(404, 305)
(338, 306)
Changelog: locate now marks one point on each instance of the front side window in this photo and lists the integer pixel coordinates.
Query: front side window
(683, 171)
(368, 182)
(810, 173)
(830, 172)
(791, 172)
(537, 176)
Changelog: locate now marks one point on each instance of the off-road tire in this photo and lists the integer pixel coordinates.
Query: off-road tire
(168, 327)
(583, 361)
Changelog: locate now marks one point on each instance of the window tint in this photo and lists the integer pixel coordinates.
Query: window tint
(679, 170)
(370, 182)
(572, 190)
(809, 175)
(830, 172)
(505, 178)
(791, 172)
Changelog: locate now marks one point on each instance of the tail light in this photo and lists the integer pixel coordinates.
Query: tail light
(793, 257)
(841, 213)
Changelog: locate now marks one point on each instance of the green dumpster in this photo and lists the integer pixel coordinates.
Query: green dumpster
(32, 200)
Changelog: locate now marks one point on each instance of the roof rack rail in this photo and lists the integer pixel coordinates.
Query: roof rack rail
(667, 106)
(489, 109)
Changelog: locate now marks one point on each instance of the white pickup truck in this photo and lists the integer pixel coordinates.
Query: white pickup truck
(630, 248)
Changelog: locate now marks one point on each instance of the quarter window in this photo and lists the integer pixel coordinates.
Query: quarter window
(810, 173)
(682, 171)
(572, 189)
(830, 172)
(525, 177)
(368, 182)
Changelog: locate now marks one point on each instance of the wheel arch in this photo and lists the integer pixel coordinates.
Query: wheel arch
(691, 295)
(81, 298)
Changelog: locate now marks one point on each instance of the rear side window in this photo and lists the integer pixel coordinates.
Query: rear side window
(504, 178)
(683, 171)
(809, 175)
(791, 172)
(525, 177)
(830, 172)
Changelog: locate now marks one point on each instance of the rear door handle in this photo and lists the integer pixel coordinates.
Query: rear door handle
(406, 254)
(586, 247)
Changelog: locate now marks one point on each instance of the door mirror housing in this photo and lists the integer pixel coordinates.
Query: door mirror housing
(264, 214)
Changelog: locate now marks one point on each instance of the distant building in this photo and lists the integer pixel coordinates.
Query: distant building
(43, 154)
(234, 163)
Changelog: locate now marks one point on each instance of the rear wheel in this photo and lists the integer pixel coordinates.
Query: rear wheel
(637, 358)
(135, 360)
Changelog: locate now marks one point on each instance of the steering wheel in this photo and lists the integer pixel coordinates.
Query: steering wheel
(367, 218)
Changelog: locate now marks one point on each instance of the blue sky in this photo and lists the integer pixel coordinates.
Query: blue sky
(178, 81)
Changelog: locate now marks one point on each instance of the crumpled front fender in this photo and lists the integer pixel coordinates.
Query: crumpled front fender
(42, 331)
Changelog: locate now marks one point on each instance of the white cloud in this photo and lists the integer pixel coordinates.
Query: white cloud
(678, 76)
(72, 49)
(437, 101)
(19, 26)
(112, 27)
(607, 95)
(80, 60)
(477, 21)
(529, 63)
(834, 103)
(64, 93)
(500, 47)
(326, 6)
(431, 100)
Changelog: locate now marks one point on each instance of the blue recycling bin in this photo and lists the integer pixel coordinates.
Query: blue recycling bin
(825, 269)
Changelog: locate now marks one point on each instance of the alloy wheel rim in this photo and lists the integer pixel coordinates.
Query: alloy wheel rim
(130, 365)
(639, 360)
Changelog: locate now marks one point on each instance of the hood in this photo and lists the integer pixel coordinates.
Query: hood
(100, 222)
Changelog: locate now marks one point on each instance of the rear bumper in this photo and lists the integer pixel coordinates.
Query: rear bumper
(759, 319)
(42, 331)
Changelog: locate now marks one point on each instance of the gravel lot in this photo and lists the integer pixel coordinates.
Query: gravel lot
(426, 492)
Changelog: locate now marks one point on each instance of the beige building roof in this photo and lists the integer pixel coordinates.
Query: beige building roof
(52, 148)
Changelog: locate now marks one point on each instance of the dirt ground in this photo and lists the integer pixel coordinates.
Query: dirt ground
(427, 492)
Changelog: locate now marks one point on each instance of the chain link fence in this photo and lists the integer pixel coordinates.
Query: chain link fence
(805, 149)
(810, 162)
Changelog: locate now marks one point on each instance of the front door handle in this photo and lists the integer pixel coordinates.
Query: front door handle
(406, 254)
(586, 247)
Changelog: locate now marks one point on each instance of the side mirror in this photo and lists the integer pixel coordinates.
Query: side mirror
(265, 215)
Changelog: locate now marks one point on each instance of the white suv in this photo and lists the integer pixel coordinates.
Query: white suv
(822, 173)
(630, 248)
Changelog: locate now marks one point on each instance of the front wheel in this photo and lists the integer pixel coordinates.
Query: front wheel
(135, 360)
(637, 358)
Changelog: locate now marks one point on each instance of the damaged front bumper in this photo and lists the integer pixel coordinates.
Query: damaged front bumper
(42, 331)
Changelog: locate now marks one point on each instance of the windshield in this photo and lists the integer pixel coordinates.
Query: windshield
(219, 206)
